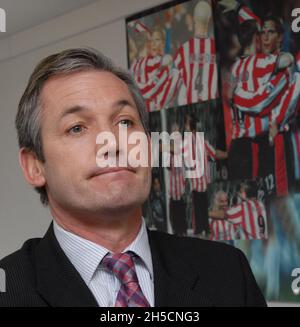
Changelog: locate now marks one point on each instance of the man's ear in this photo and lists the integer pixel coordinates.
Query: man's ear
(32, 168)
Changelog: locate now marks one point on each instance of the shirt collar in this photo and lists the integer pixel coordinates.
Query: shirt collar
(86, 255)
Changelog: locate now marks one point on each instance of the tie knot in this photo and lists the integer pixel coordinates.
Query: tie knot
(122, 266)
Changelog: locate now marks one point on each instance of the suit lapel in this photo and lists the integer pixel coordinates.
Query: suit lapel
(60, 285)
(175, 284)
(58, 282)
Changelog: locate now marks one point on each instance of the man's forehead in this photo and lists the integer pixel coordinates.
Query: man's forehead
(75, 78)
(92, 83)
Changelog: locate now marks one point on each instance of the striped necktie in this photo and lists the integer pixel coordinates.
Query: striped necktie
(122, 266)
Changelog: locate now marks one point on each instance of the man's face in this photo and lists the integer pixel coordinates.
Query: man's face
(270, 38)
(242, 194)
(223, 201)
(157, 44)
(75, 109)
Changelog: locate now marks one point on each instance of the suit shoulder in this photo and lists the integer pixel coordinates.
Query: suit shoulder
(19, 257)
(187, 244)
(20, 277)
(223, 272)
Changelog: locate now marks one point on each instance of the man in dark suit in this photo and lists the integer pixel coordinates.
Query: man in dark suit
(98, 251)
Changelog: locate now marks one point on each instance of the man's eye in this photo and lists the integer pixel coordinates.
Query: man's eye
(77, 129)
(125, 123)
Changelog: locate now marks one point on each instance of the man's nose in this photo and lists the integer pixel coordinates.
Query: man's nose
(107, 143)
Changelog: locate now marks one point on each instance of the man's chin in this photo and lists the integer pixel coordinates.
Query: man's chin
(124, 199)
(116, 208)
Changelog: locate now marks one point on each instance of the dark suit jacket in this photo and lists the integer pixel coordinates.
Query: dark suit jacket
(187, 272)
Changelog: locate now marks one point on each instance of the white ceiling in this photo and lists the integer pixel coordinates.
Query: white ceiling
(23, 14)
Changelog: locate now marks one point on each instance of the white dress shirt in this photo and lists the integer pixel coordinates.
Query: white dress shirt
(86, 257)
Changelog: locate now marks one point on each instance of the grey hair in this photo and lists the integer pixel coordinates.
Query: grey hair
(28, 118)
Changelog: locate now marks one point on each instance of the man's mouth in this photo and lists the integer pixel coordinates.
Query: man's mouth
(110, 170)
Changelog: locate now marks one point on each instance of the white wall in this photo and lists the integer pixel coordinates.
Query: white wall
(100, 25)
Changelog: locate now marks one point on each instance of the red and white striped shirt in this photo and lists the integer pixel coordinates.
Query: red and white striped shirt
(156, 82)
(145, 68)
(256, 94)
(196, 159)
(221, 230)
(278, 98)
(196, 62)
(289, 105)
(249, 219)
(245, 221)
